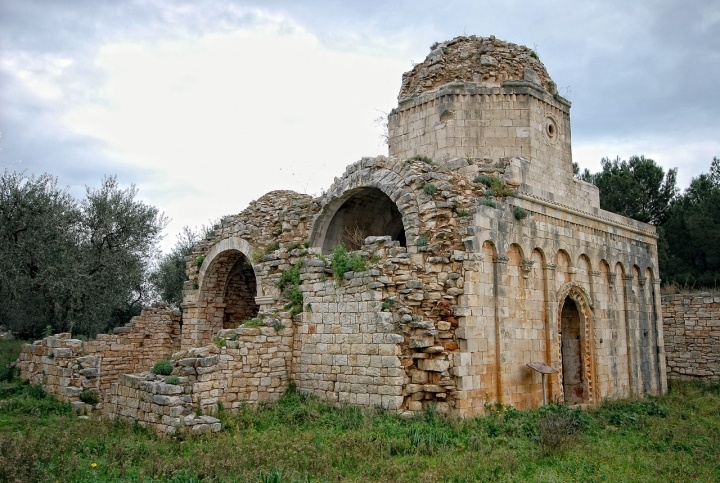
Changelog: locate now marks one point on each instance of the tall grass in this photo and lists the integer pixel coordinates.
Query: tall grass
(299, 438)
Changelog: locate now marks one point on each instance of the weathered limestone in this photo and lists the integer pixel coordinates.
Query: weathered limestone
(692, 336)
(66, 367)
(472, 251)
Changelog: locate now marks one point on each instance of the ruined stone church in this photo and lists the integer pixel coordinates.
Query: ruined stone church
(477, 254)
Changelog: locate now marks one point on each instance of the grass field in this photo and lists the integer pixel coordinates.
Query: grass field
(670, 438)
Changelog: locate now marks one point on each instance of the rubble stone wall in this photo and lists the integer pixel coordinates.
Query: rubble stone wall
(65, 367)
(60, 365)
(692, 335)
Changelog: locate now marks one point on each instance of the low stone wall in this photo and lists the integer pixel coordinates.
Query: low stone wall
(59, 364)
(691, 325)
(153, 403)
(65, 367)
(245, 365)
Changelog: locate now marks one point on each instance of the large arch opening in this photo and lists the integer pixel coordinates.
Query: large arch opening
(572, 343)
(366, 212)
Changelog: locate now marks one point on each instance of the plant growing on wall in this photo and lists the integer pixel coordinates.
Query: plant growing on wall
(343, 262)
(494, 185)
(163, 367)
(289, 283)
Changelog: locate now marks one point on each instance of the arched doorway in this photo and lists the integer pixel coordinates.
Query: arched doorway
(572, 353)
(365, 212)
(240, 291)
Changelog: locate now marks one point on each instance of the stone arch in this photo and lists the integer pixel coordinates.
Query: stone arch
(575, 316)
(227, 289)
(367, 186)
(232, 243)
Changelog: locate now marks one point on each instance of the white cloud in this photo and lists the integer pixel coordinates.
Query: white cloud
(221, 119)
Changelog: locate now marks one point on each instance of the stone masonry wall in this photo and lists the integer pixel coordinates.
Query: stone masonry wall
(692, 335)
(60, 365)
(65, 367)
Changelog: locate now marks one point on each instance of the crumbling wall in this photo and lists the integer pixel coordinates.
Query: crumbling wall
(65, 367)
(155, 404)
(60, 365)
(692, 335)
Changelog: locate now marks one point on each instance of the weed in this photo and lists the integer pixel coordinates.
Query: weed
(289, 283)
(422, 241)
(559, 425)
(430, 189)
(253, 323)
(220, 341)
(89, 397)
(278, 326)
(388, 304)
(534, 55)
(520, 213)
(258, 255)
(462, 212)
(420, 158)
(163, 367)
(343, 262)
(495, 186)
(486, 202)
(172, 380)
(199, 260)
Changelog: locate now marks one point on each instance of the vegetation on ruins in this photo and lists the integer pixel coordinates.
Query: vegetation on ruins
(668, 438)
(494, 186)
(429, 189)
(252, 323)
(688, 222)
(76, 265)
(343, 262)
(520, 213)
(289, 283)
(162, 367)
(420, 158)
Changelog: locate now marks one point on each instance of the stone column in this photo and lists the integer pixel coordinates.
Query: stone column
(660, 338)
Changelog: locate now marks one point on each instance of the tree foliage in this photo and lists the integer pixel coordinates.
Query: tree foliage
(693, 233)
(688, 223)
(637, 188)
(169, 276)
(77, 266)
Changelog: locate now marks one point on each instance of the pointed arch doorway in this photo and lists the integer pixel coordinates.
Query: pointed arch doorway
(575, 345)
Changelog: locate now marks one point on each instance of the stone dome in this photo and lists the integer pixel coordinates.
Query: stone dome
(481, 60)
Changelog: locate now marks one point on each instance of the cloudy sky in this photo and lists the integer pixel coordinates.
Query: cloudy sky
(207, 105)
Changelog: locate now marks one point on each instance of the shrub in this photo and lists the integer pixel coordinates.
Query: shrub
(421, 241)
(487, 202)
(558, 425)
(519, 213)
(430, 189)
(342, 262)
(462, 212)
(172, 380)
(289, 283)
(388, 304)
(199, 260)
(89, 397)
(220, 341)
(495, 185)
(163, 367)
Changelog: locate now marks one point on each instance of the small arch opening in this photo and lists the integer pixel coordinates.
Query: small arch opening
(367, 212)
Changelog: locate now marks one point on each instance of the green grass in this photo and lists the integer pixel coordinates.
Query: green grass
(670, 438)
